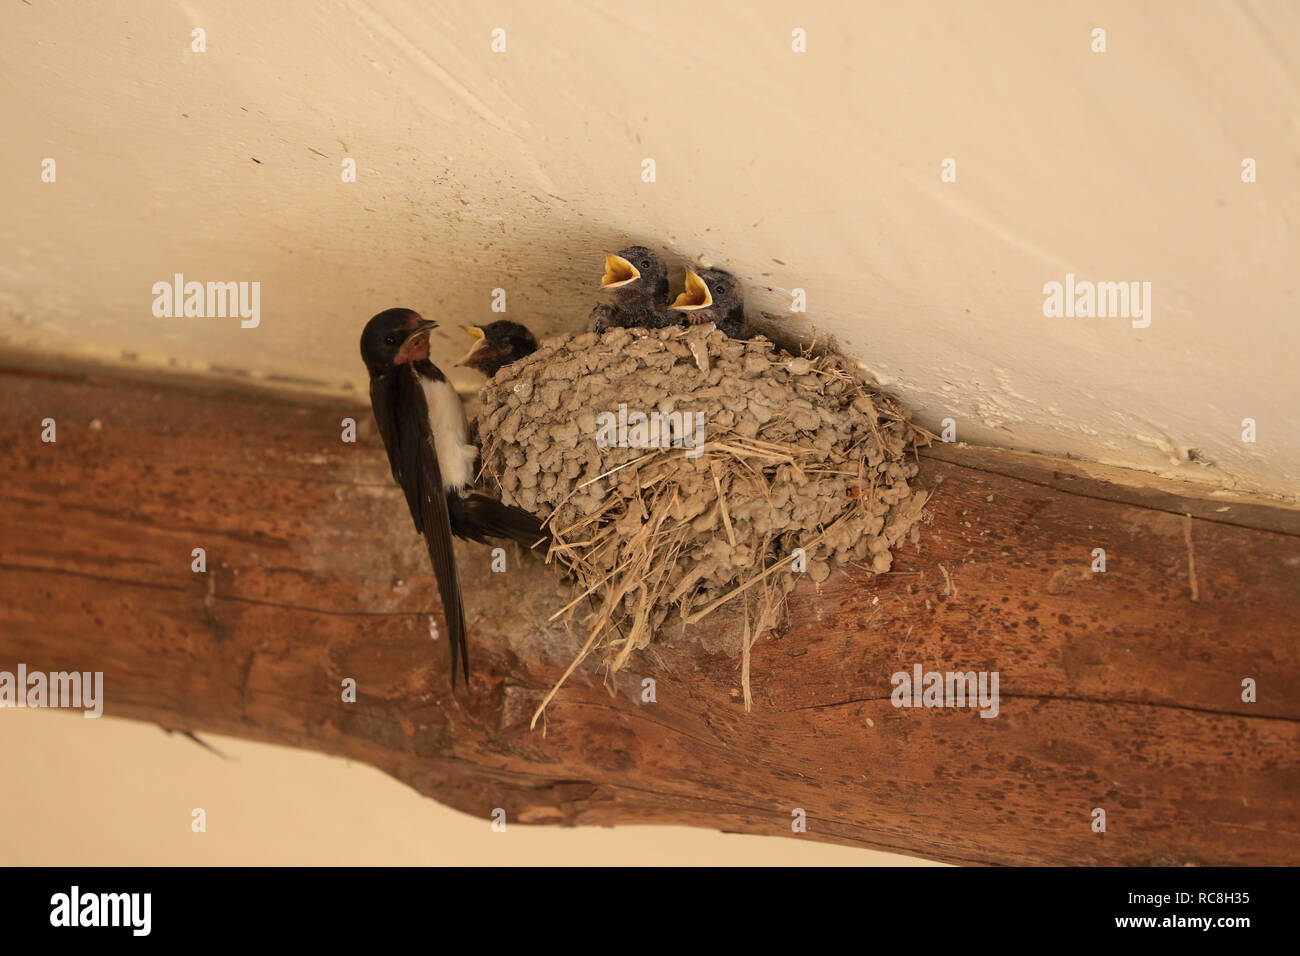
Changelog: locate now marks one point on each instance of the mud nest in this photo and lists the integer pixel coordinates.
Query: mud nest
(796, 462)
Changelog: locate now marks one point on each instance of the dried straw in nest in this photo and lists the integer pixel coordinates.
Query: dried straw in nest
(801, 463)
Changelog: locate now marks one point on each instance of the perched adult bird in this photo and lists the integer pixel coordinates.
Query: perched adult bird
(638, 281)
(713, 295)
(497, 345)
(422, 422)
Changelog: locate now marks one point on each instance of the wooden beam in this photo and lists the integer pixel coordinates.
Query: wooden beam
(1119, 690)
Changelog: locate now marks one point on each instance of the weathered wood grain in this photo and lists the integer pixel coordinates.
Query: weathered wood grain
(1118, 690)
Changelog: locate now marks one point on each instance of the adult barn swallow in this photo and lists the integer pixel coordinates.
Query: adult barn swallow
(638, 281)
(713, 295)
(497, 345)
(422, 422)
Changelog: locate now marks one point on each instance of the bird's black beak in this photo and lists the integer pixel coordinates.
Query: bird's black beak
(416, 344)
(424, 325)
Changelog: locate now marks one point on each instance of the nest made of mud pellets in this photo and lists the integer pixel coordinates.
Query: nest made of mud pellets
(797, 453)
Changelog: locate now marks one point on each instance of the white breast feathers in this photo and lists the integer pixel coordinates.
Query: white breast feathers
(456, 456)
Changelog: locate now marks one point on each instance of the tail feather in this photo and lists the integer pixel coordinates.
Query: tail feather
(477, 518)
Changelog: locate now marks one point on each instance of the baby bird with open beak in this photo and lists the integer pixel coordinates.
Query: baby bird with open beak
(713, 295)
(497, 345)
(638, 281)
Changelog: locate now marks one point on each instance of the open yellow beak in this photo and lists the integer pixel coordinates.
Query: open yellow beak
(618, 271)
(696, 296)
(475, 333)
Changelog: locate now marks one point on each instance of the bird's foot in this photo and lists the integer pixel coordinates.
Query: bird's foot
(602, 318)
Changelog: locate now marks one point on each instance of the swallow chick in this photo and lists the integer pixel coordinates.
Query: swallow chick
(422, 422)
(713, 295)
(602, 317)
(497, 345)
(637, 279)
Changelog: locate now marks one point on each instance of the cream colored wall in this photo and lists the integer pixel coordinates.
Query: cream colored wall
(818, 170)
(119, 793)
(479, 170)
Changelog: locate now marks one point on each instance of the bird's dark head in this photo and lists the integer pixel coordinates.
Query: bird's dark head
(635, 273)
(497, 344)
(710, 294)
(394, 337)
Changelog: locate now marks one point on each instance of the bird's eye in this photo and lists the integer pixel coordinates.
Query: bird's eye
(390, 340)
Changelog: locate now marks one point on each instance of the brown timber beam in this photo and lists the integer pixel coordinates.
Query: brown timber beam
(1119, 690)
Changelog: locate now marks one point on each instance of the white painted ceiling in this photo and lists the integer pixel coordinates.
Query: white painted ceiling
(819, 170)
